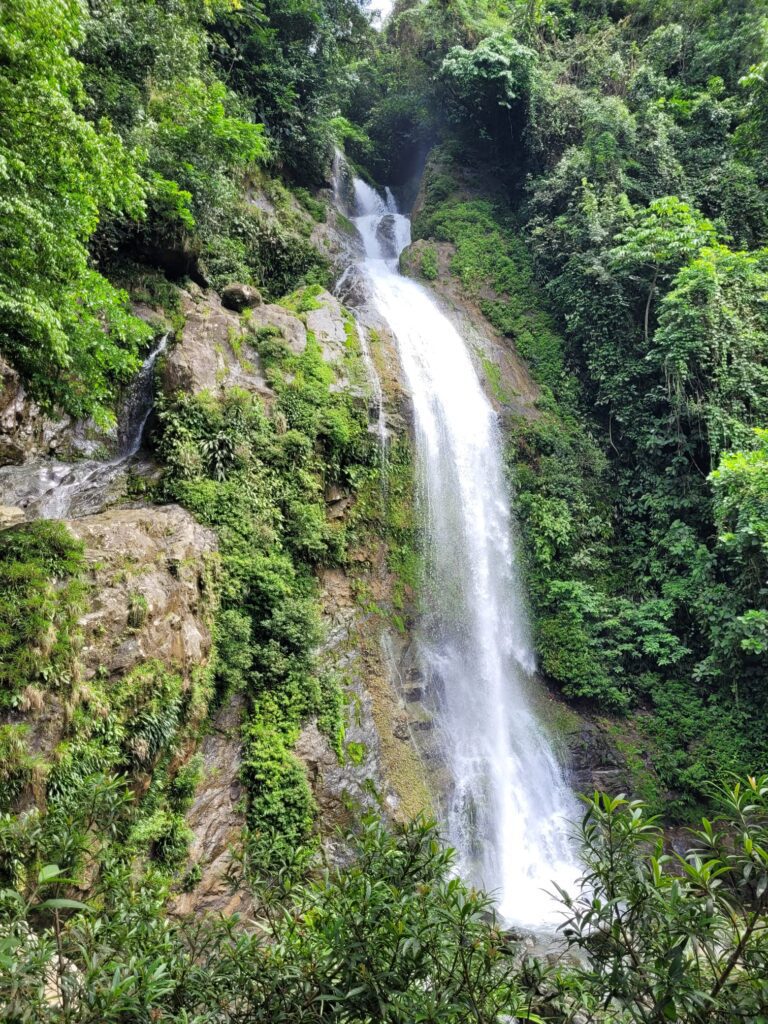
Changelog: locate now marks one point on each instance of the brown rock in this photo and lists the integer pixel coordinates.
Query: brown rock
(240, 296)
(216, 819)
(155, 558)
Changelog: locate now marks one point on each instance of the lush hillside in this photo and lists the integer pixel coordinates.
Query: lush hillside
(601, 180)
(590, 180)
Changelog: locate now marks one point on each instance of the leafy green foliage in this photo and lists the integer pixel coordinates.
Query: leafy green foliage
(670, 937)
(260, 482)
(291, 62)
(711, 344)
(42, 588)
(488, 84)
(63, 325)
(394, 934)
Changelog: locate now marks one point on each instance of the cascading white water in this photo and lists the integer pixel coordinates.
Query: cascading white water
(61, 490)
(510, 808)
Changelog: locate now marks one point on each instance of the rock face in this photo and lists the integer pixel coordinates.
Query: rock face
(215, 818)
(10, 515)
(386, 236)
(327, 325)
(290, 327)
(148, 569)
(26, 432)
(595, 763)
(217, 349)
(213, 352)
(147, 599)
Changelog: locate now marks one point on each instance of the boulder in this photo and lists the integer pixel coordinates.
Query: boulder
(292, 330)
(213, 352)
(386, 236)
(240, 296)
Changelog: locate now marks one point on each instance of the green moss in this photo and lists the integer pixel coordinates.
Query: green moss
(314, 207)
(259, 480)
(492, 372)
(429, 268)
(303, 299)
(345, 224)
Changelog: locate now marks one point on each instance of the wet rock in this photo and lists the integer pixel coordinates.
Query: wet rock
(10, 515)
(413, 694)
(353, 288)
(400, 728)
(240, 296)
(386, 236)
(594, 762)
(422, 722)
(27, 433)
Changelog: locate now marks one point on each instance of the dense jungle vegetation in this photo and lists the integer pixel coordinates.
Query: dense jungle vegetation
(600, 182)
(594, 181)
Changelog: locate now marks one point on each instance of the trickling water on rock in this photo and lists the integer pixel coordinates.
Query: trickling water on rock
(63, 490)
(508, 806)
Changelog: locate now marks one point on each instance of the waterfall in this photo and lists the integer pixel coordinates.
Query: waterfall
(509, 808)
(64, 490)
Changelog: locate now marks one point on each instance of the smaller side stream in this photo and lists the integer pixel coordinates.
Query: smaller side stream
(67, 490)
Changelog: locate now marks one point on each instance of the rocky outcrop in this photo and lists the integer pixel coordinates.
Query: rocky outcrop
(216, 818)
(148, 598)
(240, 296)
(217, 349)
(150, 592)
(214, 351)
(355, 648)
(27, 433)
(288, 326)
(595, 764)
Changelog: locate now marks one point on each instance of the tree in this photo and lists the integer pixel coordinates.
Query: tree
(740, 485)
(62, 324)
(490, 84)
(711, 345)
(658, 241)
(665, 936)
